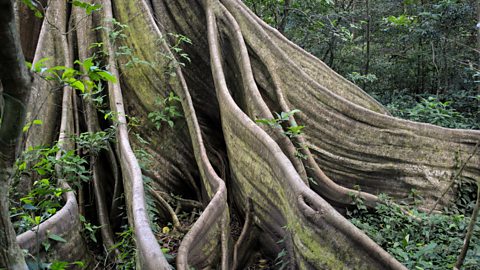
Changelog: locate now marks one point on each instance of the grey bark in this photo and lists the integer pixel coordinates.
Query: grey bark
(15, 80)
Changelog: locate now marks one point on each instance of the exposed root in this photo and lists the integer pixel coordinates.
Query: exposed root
(182, 204)
(150, 255)
(243, 243)
(176, 223)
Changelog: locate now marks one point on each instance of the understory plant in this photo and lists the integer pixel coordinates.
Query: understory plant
(167, 113)
(417, 239)
(441, 111)
(42, 165)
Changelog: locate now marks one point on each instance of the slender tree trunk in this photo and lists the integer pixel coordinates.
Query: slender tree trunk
(478, 41)
(284, 19)
(368, 41)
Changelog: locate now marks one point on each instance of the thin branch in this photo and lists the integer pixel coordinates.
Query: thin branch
(469, 234)
(459, 173)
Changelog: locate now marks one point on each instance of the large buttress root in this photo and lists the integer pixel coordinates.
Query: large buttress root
(241, 70)
(273, 170)
(275, 208)
(149, 253)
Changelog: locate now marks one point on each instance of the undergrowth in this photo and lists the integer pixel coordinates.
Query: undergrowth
(418, 240)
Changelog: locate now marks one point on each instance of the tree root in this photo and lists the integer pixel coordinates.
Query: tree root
(149, 253)
(243, 243)
(176, 223)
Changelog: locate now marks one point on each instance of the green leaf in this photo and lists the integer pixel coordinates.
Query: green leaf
(37, 66)
(33, 6)
(107, 76)
(58, 265)
(78, 85)
(37, 122)
(57, 238)
(68, 73)
(22, 166)
(80, 264)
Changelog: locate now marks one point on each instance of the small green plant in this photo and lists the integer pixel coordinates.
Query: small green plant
(126, 247)
(94, 142)
(279, 261)
(356, 77)
(44, 198)
(38, 205)
(179, 58)
(116, 34)
(68, 76)
(89, 230)
(31, 123)
(283, 117)
(168, 113)
(291, 131)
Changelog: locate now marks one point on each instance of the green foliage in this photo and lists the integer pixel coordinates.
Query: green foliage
(416, 239)
(277, 122)
(89, 229)
(89, 8)
(432, 110)
(359, 78)
(32, 123)
(168, 111)
(126, 247)
(38, 205)
(94, 142)
(38, 9)
(280, 261)
(180, 57)
(34, 6)
(117, 34)
(402, 20)
(421, 48)
(180, 40)
(291, 131)
(44, 198)
(67, 76)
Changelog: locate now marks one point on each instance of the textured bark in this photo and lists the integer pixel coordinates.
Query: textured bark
(15, 81)
(242, 70)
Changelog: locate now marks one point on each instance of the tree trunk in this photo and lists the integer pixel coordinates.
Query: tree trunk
(287, 188)
(368, 39)
(15, 81)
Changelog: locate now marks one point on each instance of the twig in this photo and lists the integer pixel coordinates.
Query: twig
(469, 234)
(455, 178)
(175, 221)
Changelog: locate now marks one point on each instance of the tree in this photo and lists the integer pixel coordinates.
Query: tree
(14, 89)
(270, 136)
